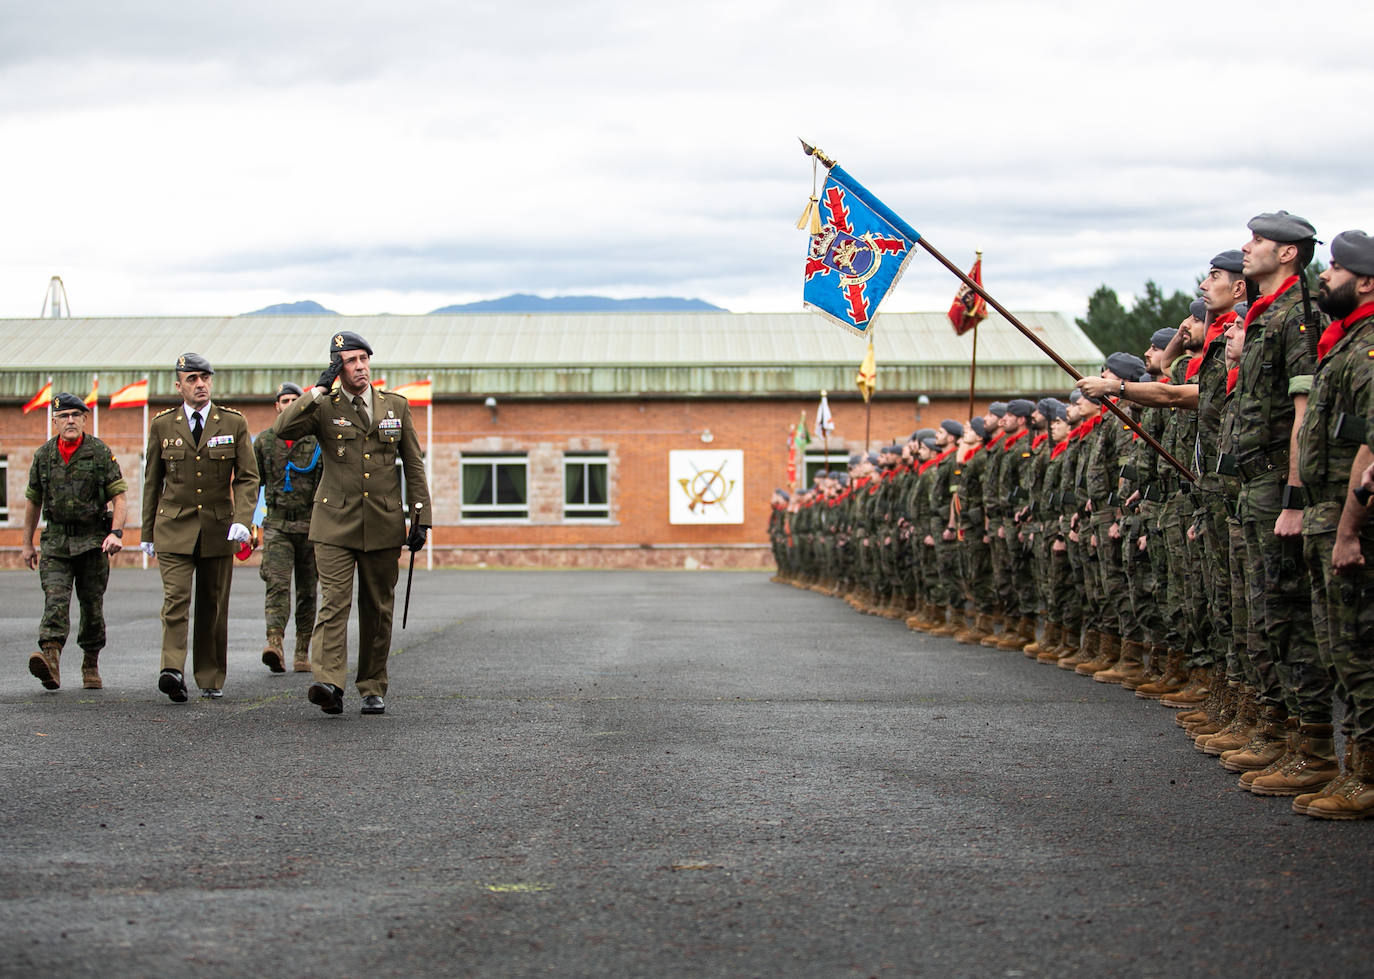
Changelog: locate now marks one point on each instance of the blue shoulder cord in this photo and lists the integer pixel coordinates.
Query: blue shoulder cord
(292, 467)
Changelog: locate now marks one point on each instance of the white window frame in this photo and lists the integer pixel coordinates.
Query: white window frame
(586, 512)
(494, 512)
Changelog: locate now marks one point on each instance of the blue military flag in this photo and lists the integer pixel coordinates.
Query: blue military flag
(856, 256)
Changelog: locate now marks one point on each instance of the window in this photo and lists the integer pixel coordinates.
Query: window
(4, 488)
(494, 487)
(836, 460)
(586, 487)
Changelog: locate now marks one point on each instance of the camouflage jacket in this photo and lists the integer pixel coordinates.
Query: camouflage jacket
(73, 495)
(1333, 428)
(290, 471)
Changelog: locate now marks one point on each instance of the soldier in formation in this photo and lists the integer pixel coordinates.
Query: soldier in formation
(1236, 593)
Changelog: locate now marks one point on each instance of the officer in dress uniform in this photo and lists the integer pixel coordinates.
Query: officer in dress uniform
(358, 524)
(200, 485)
(71, 481)
(290, 471)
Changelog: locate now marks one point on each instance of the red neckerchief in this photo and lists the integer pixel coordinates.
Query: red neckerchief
(1231, 377)
(66, 452)
(1264, 302)
(1087, 427)
(1011, 440)
(1058, 450)
(1217, 328)
(1039, 440)
(1332, 334)
(973, 451)
(995, 439)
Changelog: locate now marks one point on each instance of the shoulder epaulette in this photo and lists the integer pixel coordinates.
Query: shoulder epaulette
(232, 411)
(165, 411)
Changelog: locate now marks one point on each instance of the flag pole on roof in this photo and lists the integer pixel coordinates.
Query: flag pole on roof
(862, 249)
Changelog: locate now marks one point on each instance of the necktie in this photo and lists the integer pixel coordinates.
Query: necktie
(197, 427)
(361, 407)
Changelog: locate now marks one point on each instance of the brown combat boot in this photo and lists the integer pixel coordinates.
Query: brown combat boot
(1087, 649)
(272, 656)
(1192, 695)
(1108, 652)
(1353, 798)
(1267, 743)
(1047, 641)
(998, 621)
(954, 623)
(977, 632)
(1154, 668)
(43, 665)
(1175, 678)
(1217, 713)
(1130, 665)
(1301, 802)
(302, 655)
(1238, 732)
(1310, 769)
(90, 671)
(1290, 747)
(1019, 632)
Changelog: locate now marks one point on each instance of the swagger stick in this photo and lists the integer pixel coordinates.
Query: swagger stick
(1047, 350)
(410, 575)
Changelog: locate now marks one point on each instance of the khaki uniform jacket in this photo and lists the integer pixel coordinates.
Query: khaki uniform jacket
(191, 495)
(358, 502)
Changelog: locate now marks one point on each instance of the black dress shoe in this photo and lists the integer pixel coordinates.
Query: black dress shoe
(326, 696)
(171, 683)
(372, 704)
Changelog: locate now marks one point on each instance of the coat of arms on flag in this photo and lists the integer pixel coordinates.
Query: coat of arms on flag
(969, 309)
(856, 255)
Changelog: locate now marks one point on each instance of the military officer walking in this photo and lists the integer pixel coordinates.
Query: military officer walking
(200, 485)
(358, 524)
(290, 471)
(73, 479)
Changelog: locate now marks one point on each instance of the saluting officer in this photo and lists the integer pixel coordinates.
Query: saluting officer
(200, 485)
(290, 471)
(358, 524)
(72, 480)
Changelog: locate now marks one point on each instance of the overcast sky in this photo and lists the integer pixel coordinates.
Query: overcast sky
(211, 158)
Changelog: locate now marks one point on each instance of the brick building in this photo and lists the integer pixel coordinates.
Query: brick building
(620, 440)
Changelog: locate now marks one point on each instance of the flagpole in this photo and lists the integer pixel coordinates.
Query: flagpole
(825, 439)
(1050, 352)
(973, 364)
(1044, 348)
(429, 460)
(144, 456)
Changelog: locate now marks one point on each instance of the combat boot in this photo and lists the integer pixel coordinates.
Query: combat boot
(1301, 802)
(1087, 649)
(1266, 744)
(1154, 669)
(1108, 652)
(1209, 708)
(998, 621)
(1052, 644)
(1175, 678)
(1312, 766)
(1290, 746)
(272, 656)
(1048, 640)
(90, 671)
(43, 665)
(1192, 695)
(1019, 632)
(1130, 665)
(1354, 797)
(950, 627)
(975, 633)
(302, 663)
(1236, 734)
(1217, 712)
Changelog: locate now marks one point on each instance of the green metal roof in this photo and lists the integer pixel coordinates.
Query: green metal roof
(551, 355)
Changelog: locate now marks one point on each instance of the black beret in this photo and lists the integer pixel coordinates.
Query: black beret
(1126, 366)
(1197, 309)
(953, 427)
(980, 427)
(189, 363)
(68, 402)
(1048, 407)
(894, 450)
(929, 443)
(873, 458)
(1354, 250)
(347, 340)
(923, 434)
(855, 459)
(1020, 407)
(1075, 395)
(998, 408)
(1282, 227)
(1231, 260)
(842, 478)
(1062, 412)
(288, 388)
(1161, 338)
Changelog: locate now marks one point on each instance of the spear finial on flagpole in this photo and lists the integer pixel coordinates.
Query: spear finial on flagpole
(818, 153)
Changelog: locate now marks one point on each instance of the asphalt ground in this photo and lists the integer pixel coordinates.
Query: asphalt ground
(619, 773)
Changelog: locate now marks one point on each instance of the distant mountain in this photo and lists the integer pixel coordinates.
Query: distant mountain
(306, 307)
(524, 303)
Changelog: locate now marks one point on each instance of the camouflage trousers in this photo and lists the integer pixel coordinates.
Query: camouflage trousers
(1350, 601)
(1216, 556)
(1278, 566)
(88, 574)
(1117, 619)
(285, 555)
(1241, 666)
(976, 567)
(1327, 613)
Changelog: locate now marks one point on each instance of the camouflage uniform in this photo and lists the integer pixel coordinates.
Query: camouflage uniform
(73, 498)
(290, 471)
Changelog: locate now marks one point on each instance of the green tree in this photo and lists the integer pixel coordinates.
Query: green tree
(1110, 326)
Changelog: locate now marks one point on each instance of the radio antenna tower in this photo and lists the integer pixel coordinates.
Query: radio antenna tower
(55, 305)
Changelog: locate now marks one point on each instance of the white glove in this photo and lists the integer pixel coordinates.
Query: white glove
(238, 533)
(147, 547)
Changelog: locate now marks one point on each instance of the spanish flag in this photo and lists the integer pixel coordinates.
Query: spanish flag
(133, 395)
(95, 387)
(41, 399)
(419, 393)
